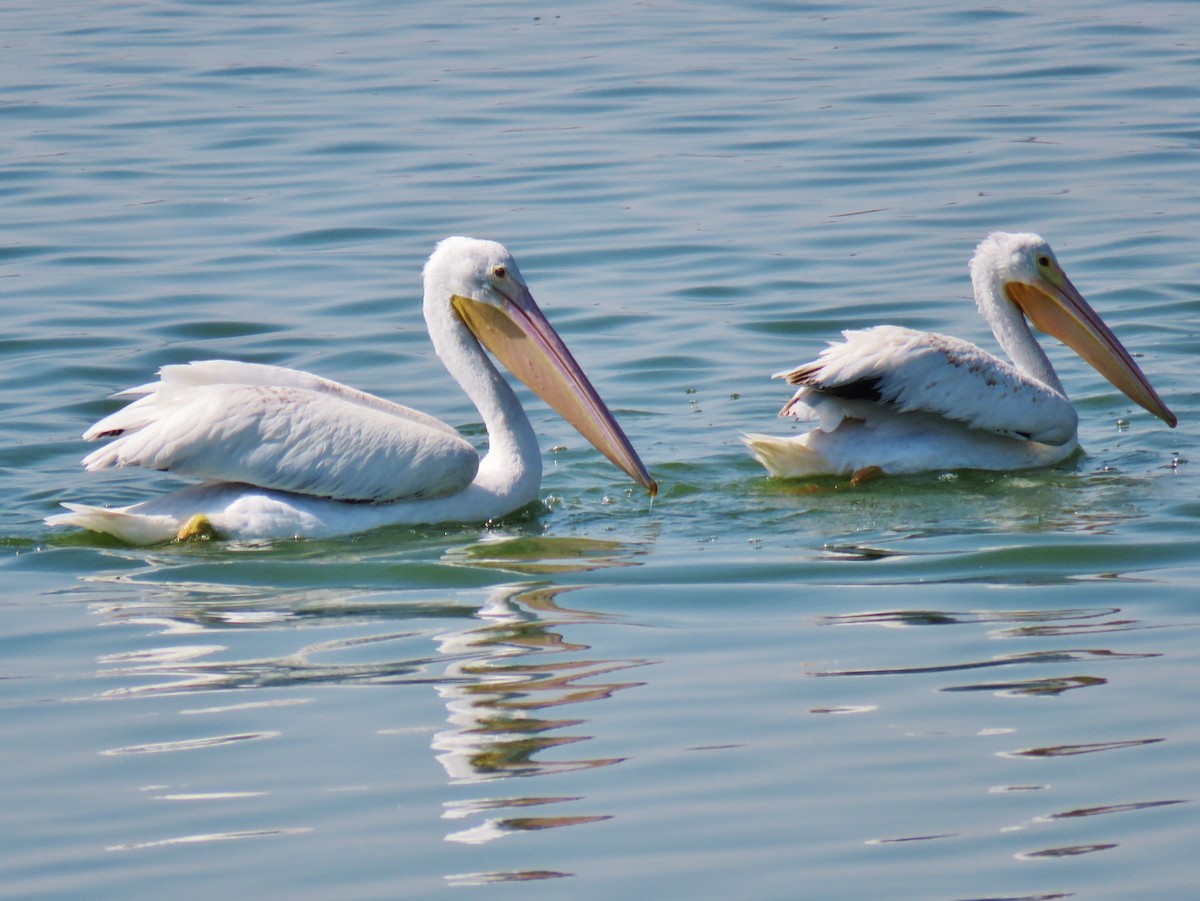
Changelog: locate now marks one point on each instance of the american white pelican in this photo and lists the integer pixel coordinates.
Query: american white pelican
(895, 400)
(286, 453)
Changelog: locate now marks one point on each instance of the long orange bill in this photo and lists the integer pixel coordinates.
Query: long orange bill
(1061, 311)
(519, 336)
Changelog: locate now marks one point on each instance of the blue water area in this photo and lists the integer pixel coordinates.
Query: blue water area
(958, 685)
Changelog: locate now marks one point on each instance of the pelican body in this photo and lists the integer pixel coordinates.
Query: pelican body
(282, 453)
(906, 401)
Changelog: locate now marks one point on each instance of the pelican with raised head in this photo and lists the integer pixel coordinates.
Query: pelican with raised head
(896, 400)
(284, 453)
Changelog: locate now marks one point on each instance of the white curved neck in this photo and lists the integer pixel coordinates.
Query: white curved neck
(512, 465)
(1010, 328)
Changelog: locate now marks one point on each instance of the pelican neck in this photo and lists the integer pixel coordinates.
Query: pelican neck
(1011, 329)
(513, 457)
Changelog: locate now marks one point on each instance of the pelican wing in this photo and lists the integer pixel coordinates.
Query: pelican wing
(286, 430)
(911, 371)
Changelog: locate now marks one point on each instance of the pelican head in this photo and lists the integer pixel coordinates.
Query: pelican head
(1036, 284)
(489, 296)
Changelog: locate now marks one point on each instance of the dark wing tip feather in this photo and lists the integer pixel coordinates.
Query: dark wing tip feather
(810, 376)
(862, 389)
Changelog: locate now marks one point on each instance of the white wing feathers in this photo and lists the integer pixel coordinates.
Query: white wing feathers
(286, 430)
(233, 372)
(911, 371)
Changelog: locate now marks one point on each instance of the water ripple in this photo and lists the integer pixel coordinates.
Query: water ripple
(1033, 657)
(209, 837)
(1076, 750)
(193, 744)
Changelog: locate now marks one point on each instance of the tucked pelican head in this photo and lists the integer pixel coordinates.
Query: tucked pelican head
(478, 283)
(1031, 278)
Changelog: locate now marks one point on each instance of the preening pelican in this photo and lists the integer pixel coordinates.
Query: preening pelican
(285, 453)
(907, 401)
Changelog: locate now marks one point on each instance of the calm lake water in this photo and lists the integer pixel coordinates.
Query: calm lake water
(959, 686)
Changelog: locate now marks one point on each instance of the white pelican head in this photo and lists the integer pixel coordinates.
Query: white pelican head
(484, 288)
(1026, 268)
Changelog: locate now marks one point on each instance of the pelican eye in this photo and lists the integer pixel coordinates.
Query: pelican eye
(499, 272)
(1043, 261)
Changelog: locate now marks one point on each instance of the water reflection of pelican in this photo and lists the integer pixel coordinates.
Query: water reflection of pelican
(497, 689)
(500, 668)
